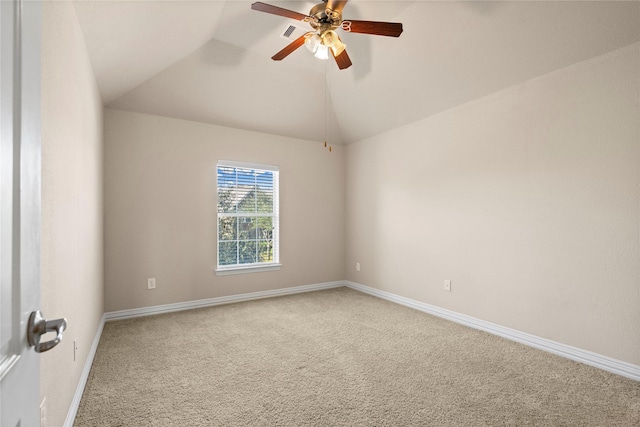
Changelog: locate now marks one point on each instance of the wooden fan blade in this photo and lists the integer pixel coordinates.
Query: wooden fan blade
(336, 5)
(275, 10)
(288, 49)
(342, 60)
(390, 29)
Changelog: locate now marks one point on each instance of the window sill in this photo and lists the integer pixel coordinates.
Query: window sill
(248, 269)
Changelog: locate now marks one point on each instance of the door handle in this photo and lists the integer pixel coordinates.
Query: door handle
(38, 326)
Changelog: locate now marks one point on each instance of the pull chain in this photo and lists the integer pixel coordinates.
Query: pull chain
(326, 106)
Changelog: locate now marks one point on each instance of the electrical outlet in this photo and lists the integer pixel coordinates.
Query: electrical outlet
(357, 266)
(447, 285)
(151, 283)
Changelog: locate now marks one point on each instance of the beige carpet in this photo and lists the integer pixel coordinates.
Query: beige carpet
(337, 357)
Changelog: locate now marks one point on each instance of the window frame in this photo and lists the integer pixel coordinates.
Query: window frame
(222, 270)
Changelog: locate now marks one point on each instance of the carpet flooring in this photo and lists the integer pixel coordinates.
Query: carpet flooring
(337, 357)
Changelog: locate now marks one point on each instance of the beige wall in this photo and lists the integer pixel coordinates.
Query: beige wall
(527, 200)
(72, 249)
(160, 209)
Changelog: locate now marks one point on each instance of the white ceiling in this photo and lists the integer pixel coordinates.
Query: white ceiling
(209, 61)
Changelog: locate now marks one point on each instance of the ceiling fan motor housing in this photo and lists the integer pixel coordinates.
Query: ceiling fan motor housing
(324, 19)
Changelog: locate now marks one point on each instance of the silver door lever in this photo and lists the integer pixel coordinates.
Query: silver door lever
(38, 326)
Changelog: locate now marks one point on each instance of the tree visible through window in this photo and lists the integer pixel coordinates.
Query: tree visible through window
(247, 215)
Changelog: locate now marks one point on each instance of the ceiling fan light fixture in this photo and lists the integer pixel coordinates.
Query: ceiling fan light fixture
(312, 41)
(331, 39)
(322, 52)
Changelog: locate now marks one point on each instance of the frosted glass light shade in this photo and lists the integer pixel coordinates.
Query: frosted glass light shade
(312, 42)
(331, 39)
(322, 52)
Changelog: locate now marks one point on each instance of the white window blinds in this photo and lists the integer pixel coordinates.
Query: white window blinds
(247, 215)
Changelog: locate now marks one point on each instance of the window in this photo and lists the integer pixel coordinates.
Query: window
(247, 218)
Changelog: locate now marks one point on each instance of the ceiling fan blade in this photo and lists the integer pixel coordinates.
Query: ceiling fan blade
(275, 10)
(288, 49)
(342, 60)
(336, 5)
(390, 29)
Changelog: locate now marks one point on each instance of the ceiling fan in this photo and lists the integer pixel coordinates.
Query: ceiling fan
(325, 18)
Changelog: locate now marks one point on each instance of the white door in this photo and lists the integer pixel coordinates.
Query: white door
(20, 209)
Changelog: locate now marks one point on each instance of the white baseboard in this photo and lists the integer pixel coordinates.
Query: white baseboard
(605, 363)
(75, 403)
(167, 308)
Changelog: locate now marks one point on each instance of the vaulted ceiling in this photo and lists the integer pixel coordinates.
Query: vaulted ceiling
(209, 61)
